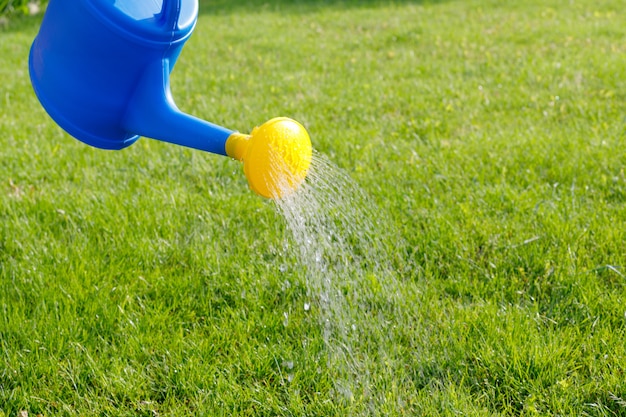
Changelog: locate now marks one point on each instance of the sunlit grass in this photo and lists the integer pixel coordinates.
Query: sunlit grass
(152, 281)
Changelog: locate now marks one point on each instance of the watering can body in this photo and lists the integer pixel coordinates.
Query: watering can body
(101, 70)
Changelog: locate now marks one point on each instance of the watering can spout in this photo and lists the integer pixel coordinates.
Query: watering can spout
(151, 112)
(276, 156)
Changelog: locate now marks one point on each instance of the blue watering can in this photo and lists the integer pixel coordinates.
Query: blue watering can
(101, 70)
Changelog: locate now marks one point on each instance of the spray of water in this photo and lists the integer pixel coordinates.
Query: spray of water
(342, 243)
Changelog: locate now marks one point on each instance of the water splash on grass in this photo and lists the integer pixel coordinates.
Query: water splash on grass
(343, 244)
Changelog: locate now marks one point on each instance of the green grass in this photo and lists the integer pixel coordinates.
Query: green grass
(147, 281)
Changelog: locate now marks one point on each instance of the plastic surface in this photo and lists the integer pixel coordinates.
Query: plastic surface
(276, 156)
(101, 70)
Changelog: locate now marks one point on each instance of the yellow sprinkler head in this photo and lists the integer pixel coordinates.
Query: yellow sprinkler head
(276, 156)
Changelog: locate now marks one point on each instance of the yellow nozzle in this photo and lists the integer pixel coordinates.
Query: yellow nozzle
(276, 156)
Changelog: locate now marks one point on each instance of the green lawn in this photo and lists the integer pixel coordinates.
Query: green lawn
(490, 134)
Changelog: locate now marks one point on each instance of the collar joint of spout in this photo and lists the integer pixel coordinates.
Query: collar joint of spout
(237, 145)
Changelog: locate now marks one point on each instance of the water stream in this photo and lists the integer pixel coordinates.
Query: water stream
(342, 241)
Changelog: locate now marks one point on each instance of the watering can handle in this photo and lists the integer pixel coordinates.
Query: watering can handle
(170, 11)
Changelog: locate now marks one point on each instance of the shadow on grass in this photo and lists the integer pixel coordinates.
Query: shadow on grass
(248, 6)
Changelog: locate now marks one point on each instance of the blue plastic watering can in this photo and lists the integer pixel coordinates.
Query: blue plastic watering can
(101, 70)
